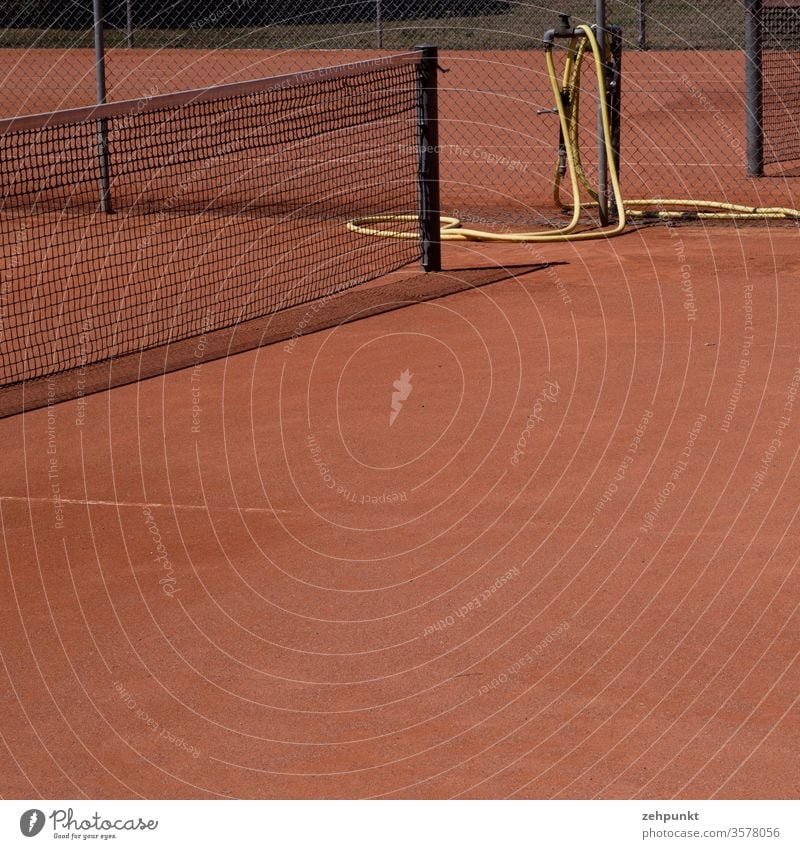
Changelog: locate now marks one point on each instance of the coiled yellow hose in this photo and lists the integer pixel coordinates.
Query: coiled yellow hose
(657, 208)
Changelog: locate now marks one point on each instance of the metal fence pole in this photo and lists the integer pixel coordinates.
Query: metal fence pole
(615, 104)
(102, 123)
(428, 145)
(129, 23)
(754, 93)
(378, 24)
(602, 158)
(642, 43)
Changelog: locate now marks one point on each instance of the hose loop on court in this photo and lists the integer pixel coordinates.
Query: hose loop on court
(669, 209)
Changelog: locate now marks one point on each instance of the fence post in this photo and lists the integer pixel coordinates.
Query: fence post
(602, 158)
(615, 104)
(754, 92)
(378, 24)
(642, 43)
(102, 123)
(428, 146)
(129, 23)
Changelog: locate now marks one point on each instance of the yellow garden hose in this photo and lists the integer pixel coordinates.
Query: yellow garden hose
(708, 210)
(657, 208)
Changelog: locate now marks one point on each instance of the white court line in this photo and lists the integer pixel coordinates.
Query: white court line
(141, 505)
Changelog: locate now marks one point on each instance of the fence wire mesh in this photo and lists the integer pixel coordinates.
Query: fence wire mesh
(683, 107)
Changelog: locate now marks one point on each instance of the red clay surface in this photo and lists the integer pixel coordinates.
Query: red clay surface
(537, 539)
(244, 581)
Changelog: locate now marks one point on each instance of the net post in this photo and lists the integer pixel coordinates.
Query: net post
(102, 123)
(754, 91)
(602, 159)
(428, 147)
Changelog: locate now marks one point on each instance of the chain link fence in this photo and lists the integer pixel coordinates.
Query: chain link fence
(46, 60)
(681, 25)
(219, 32)
(683, 108)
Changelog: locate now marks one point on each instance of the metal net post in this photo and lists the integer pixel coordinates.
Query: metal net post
(428, 123)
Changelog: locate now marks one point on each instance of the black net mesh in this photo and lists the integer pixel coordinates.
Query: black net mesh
(225, 208)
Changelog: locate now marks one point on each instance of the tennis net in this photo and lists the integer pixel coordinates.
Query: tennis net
(780, 32)
(226, 204)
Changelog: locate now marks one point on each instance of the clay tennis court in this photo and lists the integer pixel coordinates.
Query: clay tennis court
(534, 537)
